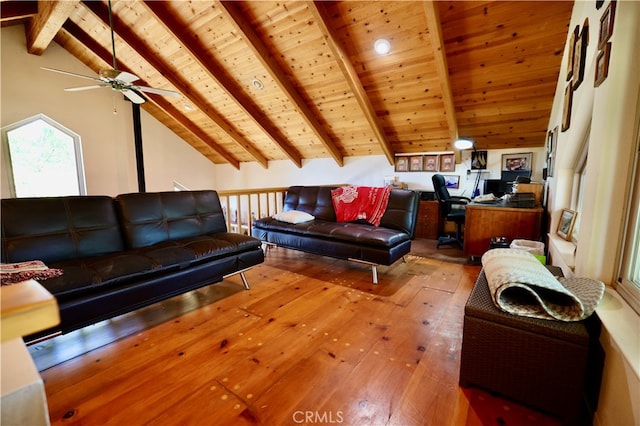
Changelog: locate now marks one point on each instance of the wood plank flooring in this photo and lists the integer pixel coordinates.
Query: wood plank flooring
(313, 342)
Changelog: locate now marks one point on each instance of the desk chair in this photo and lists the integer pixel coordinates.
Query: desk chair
(447, 212)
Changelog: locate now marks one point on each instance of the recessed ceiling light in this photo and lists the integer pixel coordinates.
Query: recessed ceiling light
(382, 46)
(463, 143)
(188, 107)
(257, 84)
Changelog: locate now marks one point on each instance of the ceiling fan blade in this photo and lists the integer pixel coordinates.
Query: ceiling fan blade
(71, 74)
(158, 91)
(133, 96)
(123, 76)
(78, 89)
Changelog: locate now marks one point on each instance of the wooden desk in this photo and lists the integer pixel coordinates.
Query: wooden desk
(27, 307)
(483, 221)
(428, 221)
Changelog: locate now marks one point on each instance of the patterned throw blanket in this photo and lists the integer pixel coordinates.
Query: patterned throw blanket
(521, 285)
(360, 203)
(11, 273)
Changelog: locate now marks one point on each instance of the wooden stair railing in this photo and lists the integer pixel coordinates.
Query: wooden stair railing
(241, 207)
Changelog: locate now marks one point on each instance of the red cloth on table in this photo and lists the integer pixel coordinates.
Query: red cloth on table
(360, 203)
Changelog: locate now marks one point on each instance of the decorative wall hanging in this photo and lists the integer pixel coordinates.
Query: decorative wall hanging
(478, 160)
(430, 163)
(606, 24)
(552, 136)
(572, 47)
(579, 55)
(566, 111)
(415, 163)
(602, 65)
(447, 163)
(451, 181)
(402, 164)
(516, 161)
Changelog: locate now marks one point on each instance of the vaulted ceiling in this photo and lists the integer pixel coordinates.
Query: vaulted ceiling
(294, 80)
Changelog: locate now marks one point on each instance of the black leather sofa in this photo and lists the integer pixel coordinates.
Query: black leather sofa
(120, 254)
(354, 241)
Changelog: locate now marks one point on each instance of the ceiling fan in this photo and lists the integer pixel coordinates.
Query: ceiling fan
(120, 81)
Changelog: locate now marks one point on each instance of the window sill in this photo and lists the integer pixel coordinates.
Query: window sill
(622, 324)
(566, 250)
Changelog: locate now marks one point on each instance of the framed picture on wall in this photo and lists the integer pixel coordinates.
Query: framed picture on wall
(566, 108)
(478, 160)
(447, 163)
(402, 164)
(451, 181)
(430, 163)
(415, 163)
(516, 161)
(579, 56)
(572, 46)
(606, 24)
(602, 65)
(565, 224)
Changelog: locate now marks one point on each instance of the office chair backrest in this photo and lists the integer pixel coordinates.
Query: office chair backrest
(442, 193)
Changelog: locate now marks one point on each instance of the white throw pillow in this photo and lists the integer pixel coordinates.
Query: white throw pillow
(293, 216)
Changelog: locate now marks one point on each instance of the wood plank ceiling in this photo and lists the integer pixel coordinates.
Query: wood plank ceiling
(293, 80)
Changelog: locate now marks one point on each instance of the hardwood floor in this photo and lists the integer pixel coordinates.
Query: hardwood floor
(313, 342)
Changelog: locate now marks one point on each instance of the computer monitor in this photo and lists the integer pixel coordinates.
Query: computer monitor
(494, 186)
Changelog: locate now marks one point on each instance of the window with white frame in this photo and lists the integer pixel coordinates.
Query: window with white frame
(43, 158)
(628, 284)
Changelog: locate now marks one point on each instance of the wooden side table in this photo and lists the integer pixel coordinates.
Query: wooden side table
(26, 308)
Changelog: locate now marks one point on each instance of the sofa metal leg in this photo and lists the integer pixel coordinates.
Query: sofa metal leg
(245, 283)
(374, 271)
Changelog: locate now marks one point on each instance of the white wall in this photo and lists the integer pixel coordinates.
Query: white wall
(608, 116)
(107, 138)
(370, 170)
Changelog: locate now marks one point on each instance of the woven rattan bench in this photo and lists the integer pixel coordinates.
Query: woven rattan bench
(552, 366)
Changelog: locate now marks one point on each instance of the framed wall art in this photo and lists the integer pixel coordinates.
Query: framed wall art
(447, 163)
(602, 65)
(606, 24)
(430, 163)
(566, 108)
(451, 181)
(579, 55)
(478, 160)
(572, 46)
(516, 161)
(402, 164)
(552, 136)
(415, 163)
(565, 224)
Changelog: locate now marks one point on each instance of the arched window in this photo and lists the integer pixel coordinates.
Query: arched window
(43, 158)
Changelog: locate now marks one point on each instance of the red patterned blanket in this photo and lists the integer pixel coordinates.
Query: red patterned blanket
(360, 203)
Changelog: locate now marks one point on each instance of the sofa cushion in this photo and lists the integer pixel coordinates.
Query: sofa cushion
(315, 200)
(75, 226)
(151, 218)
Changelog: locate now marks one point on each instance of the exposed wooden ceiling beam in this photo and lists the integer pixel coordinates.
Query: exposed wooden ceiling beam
(43, 27)
(12, 10)
(82, 37)
(243, 26)
(129, 37)
(440, 57)
(351, 75)
(216, 71)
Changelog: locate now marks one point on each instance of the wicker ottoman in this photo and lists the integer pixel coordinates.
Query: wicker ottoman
(539, 363)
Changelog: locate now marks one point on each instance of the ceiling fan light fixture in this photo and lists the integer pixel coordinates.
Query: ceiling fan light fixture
(463, 143)
(382, 46)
